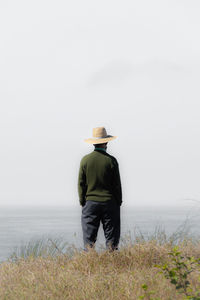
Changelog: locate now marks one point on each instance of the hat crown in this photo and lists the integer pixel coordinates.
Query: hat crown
(99, 132)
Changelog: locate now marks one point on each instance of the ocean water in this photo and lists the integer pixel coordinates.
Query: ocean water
(19, 225)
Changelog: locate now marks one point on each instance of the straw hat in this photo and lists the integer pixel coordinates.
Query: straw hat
(100, 136)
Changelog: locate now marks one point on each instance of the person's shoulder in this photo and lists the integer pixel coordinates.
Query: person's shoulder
(86, 157)
(113, 159)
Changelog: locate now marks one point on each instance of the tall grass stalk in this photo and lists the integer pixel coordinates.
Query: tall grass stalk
(43, 247)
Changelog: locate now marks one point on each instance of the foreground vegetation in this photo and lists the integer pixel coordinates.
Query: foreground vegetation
(143, 269)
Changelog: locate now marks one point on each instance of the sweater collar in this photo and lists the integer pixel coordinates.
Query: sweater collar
(100, 149)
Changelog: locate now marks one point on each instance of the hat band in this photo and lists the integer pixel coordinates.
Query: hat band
(101, 137)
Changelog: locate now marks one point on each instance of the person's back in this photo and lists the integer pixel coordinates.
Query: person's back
(101, 176)
(99, 188)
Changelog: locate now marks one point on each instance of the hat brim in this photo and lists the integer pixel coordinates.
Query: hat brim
(100, 141)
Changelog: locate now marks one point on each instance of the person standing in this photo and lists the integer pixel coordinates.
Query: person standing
(100, 192)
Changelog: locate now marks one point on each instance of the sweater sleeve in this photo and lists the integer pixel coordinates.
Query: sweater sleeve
(117, 189)
(82, 187)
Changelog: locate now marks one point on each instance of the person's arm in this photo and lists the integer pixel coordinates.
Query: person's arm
(117, 188)
(82, 188)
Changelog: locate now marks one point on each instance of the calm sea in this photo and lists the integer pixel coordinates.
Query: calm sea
(19, 225)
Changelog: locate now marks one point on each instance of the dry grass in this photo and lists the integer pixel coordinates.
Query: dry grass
(92, 275)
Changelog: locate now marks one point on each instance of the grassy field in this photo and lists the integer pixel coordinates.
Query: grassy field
(140, 270)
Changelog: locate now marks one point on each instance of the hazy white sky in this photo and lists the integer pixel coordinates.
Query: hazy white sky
(69, 66)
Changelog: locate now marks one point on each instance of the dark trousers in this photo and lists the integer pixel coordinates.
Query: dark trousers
(94, 212)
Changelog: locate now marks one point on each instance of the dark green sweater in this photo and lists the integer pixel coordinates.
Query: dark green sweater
(99, 178)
